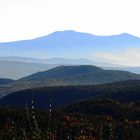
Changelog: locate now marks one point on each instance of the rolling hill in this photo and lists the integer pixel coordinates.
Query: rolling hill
(16, 69)
(66, 76)
(5, 81)
(81, 75)
(127, 91)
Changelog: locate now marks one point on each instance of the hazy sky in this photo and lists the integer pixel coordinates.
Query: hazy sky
(24, 19)
(27, 19)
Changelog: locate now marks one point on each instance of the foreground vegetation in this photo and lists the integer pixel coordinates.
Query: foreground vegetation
(86, 120)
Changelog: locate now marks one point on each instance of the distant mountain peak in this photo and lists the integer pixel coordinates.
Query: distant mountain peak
(86, 33)
(69, 44)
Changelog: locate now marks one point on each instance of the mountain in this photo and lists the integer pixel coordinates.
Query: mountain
(5, 81)
(82, 75)
(68, 44)
(127, 91)
(68, 75)
(20, 59)
(15, 70)
(18, 67)
(56, 61)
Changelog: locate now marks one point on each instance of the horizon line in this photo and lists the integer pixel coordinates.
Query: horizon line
(51, 33)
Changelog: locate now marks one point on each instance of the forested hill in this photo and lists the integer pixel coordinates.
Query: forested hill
(92, 119)
(127, 91)
(68, 76)
(81, 75)
(5, 81)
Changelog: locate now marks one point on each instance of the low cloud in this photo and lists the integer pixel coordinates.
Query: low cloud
(129, 57)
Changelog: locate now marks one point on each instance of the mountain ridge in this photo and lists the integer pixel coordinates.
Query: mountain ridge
(4, 81)
(125, 92)
(62, 44)
(68, 76)
(80, 69)
(72, 31)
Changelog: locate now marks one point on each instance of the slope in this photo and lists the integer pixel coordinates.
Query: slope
(127, 91)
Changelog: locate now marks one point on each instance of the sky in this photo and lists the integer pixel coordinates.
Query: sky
(26, 19)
